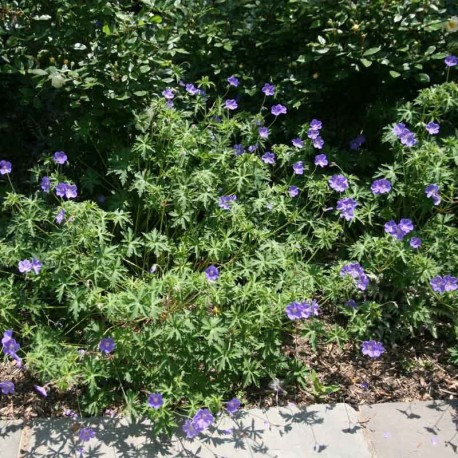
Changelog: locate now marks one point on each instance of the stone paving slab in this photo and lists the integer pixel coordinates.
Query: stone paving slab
(412, 430)
(10, 438)
(394, 430)
(316, 431)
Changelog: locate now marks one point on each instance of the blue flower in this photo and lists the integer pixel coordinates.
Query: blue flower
(233, 405)
(45, 184)
(60, 157)
(212, 273)
(293, 191)
(298, 168)
(231, 104)
(268, 89)
(5, 167)
(268, 158)
(168, 94)
(277, 110)
(381, 186)
(226, 202)
(155, 400)
(338, 182)
(233, 81)
(107, 345)
(372, 348)
(432, 128)
(321, 160)
(263, 132)
(347, 208)
(239, 150)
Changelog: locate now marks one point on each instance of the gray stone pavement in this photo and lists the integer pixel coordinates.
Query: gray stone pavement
(398, 430)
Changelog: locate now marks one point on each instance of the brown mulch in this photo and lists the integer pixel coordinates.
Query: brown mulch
(419, 371)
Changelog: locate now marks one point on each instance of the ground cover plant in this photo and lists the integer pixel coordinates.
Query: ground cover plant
(162, 257)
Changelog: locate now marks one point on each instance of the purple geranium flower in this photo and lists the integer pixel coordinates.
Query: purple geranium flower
(405, 135)
(191, 89)
(36, 265)
(399, 129)
(5, 167)
(263, 132)
(231, 104)
(451, 60)
(318, 142)
(312, 134)
(155, 400)
(297, 142)
(293, 191)
(408, 139)
(10, 346)
(61, 189)
(268, 89)
(405, 225)
(381, 186)
(347, 208)
(316, 124)
(60, 157)
(351, 303)
(372, 348)
(294, 310)
(321, 160)
(233, 405)
(190, 429)
(45, 184)
(226, 202)
(415, 242)
(7, 387)
(298, 310)
(233, 81)
(399, 231)
(107, 345)
(212, 273)
(60, 216)
(203, 419)
(25, 266)
(239, 150)
(444, 284)
(298, 168)
(357, 142)
(168, 94)
(277, 110)
(268, 158)
(432, 128)
(252, 148)
(86, 434)
(338, 182)
(41, 390)
(432, 191)
(66, 190)
(355, 270)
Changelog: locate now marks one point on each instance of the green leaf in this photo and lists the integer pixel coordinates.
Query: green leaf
(423, 78)
(140, 93)
(145, 68)
(366, 63)
(106, 29)
(371, 51)
(394, 74)
(38, 71)
(156, 19)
